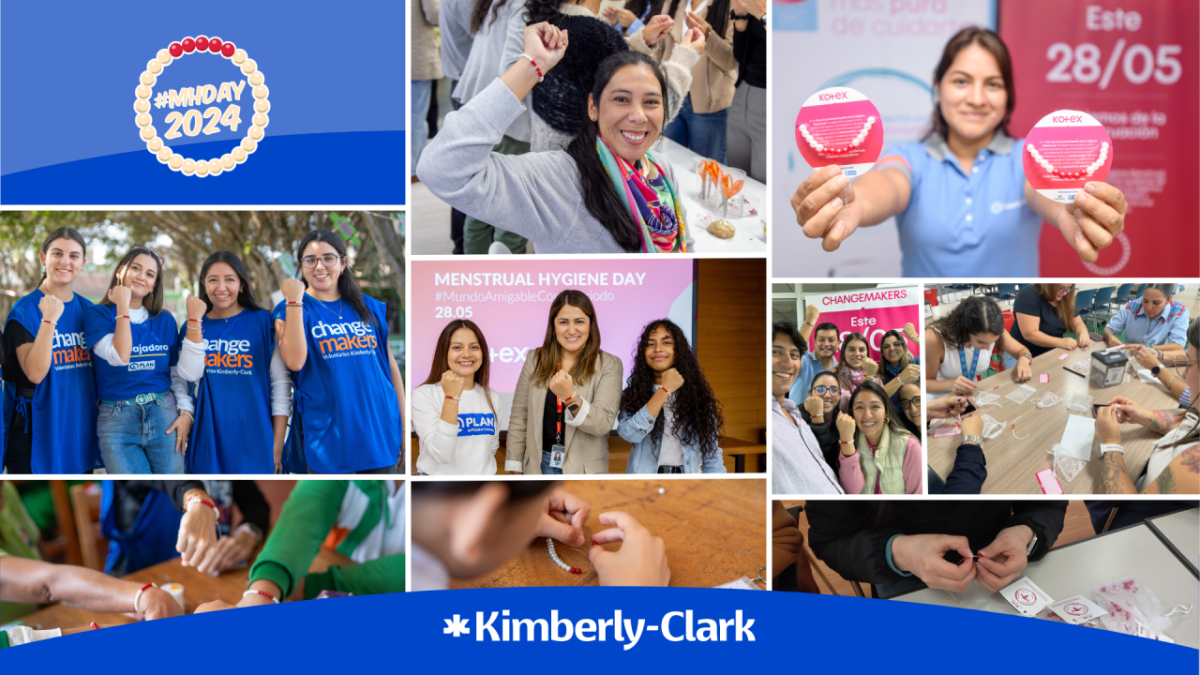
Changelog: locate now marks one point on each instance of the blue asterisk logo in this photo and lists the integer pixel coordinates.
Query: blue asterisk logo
(456, 626)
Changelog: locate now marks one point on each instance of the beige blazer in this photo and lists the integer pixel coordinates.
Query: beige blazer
(714, 78)
(586, 437)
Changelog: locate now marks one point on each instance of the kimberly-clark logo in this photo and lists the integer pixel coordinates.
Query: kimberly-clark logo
(674, 626)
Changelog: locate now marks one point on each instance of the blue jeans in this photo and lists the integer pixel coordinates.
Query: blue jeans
(133, 438)
(546, 469)
(418, 126)
(702, 134)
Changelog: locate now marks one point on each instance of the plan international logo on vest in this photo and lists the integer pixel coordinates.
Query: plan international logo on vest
(340, 337)
(142, 351)
(69, 348)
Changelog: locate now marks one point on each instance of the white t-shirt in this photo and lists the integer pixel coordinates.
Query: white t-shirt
(671, 451)
(951, 366)
(466, 449)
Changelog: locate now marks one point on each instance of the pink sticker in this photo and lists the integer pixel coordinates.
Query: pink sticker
(1064, 357)
(839, 126)
(946, 430)
(1044, 378)
(1048, 482)
(1064, 151)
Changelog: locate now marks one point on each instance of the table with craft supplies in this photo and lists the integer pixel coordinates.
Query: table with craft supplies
(1021, 451)
(1080, 567)
(198, 589)
(682, 165)
(714, 531)
(1180, 531)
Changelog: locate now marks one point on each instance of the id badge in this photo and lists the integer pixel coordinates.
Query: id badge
(557, 454)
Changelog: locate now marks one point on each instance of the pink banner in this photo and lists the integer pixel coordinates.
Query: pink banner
(872, 312)
(510, 301)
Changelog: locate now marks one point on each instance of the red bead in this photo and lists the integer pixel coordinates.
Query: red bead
(189, 45)
(576, 570)
(175, 50)
(214, 45)
(227, 49)
(202, 44)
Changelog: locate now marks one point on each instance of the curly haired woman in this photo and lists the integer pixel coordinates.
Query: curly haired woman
(668, 411)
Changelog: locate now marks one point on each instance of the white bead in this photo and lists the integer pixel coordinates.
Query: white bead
(238, 57)
(188, 167)
(228, 162)
(249, 66)
(176, 162)
(261, 91)
(148, 132)
(214, 167)
(164, 57)
(154, 144)
(249, 145)
(164, 155)
(255, 132)
(148, 79)
(239, 155)
(154, 66)
(261, 120)
(663, 491)
(142, 120)
(262, 106)
(202, 168)
(142, 91)
(141, 105)
(256, 78)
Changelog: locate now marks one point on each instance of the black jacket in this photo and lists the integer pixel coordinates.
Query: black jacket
(851, 536)
(827, 436)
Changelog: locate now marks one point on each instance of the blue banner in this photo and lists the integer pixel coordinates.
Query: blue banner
(706, 629)
(300, 102)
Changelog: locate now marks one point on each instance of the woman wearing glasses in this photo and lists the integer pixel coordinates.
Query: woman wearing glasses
(1174, 465)
(908, 400)
(348, 391)
(899, 366)
(821, 411)
(1044, 311)
(140, 427)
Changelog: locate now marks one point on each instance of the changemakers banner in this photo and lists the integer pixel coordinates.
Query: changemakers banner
(870, 311)
(531, 629)
(1131, 64)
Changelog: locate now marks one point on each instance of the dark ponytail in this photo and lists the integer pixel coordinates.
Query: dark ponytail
(480, 12)
(347, 285)
(599, 196)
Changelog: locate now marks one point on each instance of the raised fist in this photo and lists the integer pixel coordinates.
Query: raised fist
(911, 331)
(52, 308)
(811, 314)
(910, 374)
(119, 296)
(452, 384)
(846, 427)
(672, 380)
(293, 290)
(195, 307)
(814, 406)
(562, 385)
(870, 368)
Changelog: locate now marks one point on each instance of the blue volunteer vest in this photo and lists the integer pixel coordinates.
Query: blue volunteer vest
(155, 531)
(154, 352)
(233, 432)
(345, 403)
(63, 410)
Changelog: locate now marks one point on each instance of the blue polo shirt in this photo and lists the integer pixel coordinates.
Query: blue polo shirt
(1169, 328)
(961, 224)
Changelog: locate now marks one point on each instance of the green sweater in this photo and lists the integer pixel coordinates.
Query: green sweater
(307, 517)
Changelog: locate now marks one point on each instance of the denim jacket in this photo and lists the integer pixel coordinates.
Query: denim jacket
(643, 458)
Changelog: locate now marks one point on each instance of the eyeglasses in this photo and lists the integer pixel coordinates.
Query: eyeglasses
(1182, 366)
(822, 389)
(1063, 290)
(914, 402)
(328, 260)
(893, 345)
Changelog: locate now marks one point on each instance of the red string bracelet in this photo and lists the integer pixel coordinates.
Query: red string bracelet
(262, 593)
(541, 76)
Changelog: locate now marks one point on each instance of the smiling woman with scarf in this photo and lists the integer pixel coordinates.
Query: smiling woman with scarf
(604, 194)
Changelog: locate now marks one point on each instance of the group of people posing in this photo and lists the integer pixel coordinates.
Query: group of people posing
(844, 423)
(308, 387)
(567, 399)
(558, 109)
(1155, 331)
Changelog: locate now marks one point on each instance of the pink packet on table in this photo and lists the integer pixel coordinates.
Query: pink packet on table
(946, 430)
(1048, 482)
(1044, 378)
(1064, 357)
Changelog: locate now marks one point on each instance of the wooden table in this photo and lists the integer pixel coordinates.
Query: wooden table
(715, 532)
(1076, 569)
(1012, 464)
(197, 589)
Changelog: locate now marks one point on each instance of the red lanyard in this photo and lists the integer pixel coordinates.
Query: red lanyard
(558, 440)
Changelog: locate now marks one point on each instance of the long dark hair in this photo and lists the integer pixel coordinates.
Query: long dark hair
(889, 411)
(1193, 435)
(153, 302)
(717, 15)
(246, 297)
(697, 418)
(976, 314)
(964, 38)
(537, 11)
(347, 285)
(480, 12)
(909, 425)
(904, 360)
(440, 362)
(550, 353)
(598, 193)
(62, 233)
(789, 329)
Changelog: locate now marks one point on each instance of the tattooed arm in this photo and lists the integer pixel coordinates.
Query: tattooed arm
(1114, 477)
(1162, 421)
(1181, 476)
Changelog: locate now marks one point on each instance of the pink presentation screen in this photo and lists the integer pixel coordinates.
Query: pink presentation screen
(510, 301)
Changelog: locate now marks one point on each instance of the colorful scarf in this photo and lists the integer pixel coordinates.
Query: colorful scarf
(662, 229)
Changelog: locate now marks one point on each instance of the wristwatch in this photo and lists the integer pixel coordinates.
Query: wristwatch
(1156, 370)
(1032, 545)
(972, 438)
(1111, 447)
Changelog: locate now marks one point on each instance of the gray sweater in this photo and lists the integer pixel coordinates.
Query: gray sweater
(536, 195)
(495, 48)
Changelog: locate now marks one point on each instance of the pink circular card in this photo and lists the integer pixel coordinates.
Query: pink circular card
(1064, 151)
(839, 126)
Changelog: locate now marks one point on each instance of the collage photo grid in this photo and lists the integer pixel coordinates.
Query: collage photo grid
(940, 359)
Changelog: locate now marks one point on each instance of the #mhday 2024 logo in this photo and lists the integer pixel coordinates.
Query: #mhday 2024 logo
(191, 123)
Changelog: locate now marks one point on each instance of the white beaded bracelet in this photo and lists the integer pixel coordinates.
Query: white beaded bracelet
(262, 593)
(196, 500)
(137, 599)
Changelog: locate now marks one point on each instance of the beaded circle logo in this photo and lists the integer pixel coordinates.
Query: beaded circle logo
(839, 126)
(1025, 597)
(1064, 151)
(192, 122)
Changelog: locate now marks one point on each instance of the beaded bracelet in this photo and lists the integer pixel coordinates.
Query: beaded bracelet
(137, 599)
(295, 304)
(49, 322)
(541, 77)
(262, 593)
(451, 398)
(122, 316)
(94, 626)
(194, 500)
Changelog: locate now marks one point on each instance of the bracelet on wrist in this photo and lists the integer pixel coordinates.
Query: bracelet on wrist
(451, 398)
(137, 599)
(122, 316)
(541, 75)
(200, 500)
(52, 323)
(262, 593)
